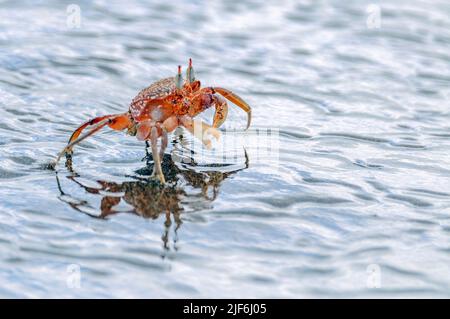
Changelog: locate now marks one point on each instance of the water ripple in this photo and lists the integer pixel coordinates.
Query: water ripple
(359, 176)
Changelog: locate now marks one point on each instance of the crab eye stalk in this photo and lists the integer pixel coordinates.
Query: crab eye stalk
(190, 74)
(179, 79)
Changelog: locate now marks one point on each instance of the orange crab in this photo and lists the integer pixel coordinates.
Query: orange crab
(160, 108)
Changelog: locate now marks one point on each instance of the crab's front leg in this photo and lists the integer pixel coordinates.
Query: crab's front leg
(157, 170)
(150, 130)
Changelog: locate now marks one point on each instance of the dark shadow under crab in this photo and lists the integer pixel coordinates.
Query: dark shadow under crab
(147, 197)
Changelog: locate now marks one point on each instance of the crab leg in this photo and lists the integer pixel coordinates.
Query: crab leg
(68, 148)
(157, 170)
(164, 142)
(115, 121)
(236, 100)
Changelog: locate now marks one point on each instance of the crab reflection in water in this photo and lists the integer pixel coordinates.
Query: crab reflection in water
(147, 197)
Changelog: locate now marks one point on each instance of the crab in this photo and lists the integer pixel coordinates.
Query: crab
(162, 107)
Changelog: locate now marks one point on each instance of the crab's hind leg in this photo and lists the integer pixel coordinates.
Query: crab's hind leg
(115, 121)
(236, 100)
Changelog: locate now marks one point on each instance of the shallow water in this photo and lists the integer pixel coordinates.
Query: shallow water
(355, 205)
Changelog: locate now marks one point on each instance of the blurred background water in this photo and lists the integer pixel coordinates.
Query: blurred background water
(356, 205)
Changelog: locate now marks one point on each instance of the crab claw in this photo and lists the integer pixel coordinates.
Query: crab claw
(236, 100)
(200, 130)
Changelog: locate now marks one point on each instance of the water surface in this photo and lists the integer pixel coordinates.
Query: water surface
(361, 183)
